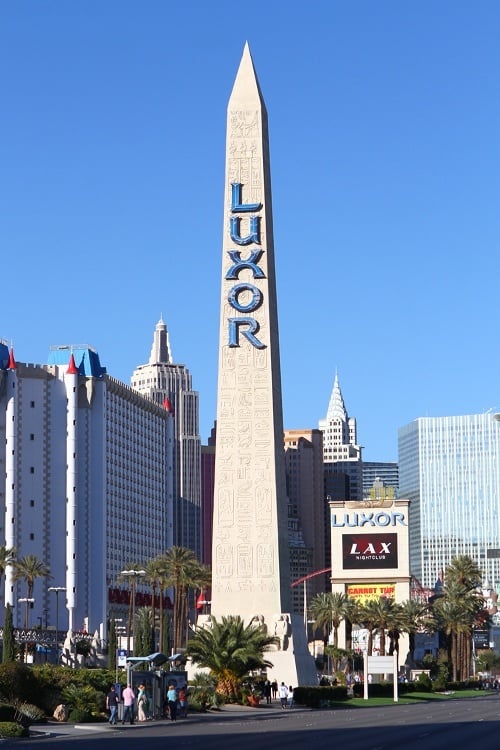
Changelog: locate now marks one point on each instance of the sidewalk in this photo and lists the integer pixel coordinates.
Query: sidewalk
(57, 729)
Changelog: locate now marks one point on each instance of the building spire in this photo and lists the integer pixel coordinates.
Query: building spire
(336, 407)
(12, 365)
(160, 351)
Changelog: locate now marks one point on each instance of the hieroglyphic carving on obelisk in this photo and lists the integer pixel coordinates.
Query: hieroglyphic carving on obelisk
(250, 550)
(251, 575)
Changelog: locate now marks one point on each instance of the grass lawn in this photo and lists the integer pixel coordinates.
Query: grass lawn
(408, 698)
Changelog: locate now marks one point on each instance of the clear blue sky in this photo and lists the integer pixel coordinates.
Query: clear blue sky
(385, 160)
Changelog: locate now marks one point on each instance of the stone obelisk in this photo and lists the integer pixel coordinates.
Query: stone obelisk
(251, 573)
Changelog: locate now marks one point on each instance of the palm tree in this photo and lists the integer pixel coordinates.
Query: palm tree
(182, 572)
(29, 568)
(455, 611)
(230, 650)
(7, 557)
(382, 612)
(367, 616)
(329, 610)
(143, 631)
(412, 614)
(154, 573)
(464, 570)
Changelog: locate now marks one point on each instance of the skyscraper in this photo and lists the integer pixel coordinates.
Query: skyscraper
(251, 574)
(165, 382)
(341, 453)
(449, 468)
(306, 512)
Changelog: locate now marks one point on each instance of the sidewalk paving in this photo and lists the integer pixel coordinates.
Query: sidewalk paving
(54, 728)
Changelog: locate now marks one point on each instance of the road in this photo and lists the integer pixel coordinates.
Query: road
(468, 723)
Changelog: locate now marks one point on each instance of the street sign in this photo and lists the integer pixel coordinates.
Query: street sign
(121, 657)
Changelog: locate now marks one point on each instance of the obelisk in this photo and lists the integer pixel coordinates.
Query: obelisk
(251, 573)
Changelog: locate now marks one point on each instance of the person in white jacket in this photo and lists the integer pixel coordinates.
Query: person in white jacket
(283, 694)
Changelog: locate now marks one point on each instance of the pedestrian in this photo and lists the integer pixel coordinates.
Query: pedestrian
(128, 696)
(183, 705)
(142, 703)
(283, 693)
(112, 704)
(290, 696)
(172, 702)
(274, 689)
(267, 691)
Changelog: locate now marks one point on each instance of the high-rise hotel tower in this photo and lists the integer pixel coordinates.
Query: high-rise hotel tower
(449, 468)
(170, 384)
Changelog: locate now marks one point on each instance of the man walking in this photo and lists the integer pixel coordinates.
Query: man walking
(128, 696)
(283, 693)
(112, 704)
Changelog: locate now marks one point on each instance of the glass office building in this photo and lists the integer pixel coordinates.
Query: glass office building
(449, 468)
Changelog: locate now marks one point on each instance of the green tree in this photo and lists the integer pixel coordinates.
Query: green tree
(412, 614)
(9, 643)
(181, 571)
(143, 640)
(154, 576)
(29, 568)
(379, 615)
(230, 650)
(367, 616)
(456, 610)
(329, 610)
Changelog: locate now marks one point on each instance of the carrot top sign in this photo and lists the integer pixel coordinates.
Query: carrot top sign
(365, 592)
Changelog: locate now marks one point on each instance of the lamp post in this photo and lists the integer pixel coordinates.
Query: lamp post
(57, 590)
(27, 601)
(132, 574)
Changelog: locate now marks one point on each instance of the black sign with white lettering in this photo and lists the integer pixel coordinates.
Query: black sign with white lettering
(368, 551)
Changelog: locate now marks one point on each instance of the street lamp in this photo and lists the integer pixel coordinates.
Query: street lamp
(27, 600)
(132, 574)
(57, 590)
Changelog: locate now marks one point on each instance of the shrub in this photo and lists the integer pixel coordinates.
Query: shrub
(82, 698)
(11, 729)
(80, 716)
(27, 714)
(319, 697)
(424, 683)
(7, 712)
(17, 683)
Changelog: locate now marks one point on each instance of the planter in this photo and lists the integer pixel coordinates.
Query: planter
(253, 700)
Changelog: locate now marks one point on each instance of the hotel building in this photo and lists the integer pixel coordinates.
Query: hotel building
(163, 381)
(449, 468)
(86, 483)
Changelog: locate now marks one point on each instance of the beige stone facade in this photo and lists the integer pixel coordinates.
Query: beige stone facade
(250, 557)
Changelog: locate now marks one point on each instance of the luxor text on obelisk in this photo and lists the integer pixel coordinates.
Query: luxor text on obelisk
(251, 574)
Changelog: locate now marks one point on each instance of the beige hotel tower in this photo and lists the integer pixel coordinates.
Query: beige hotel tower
(250, 544)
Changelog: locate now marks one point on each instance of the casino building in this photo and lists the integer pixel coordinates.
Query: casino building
(85, 483)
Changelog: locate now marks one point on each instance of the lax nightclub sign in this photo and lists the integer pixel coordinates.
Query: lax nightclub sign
(244, 297)
(362, 551)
